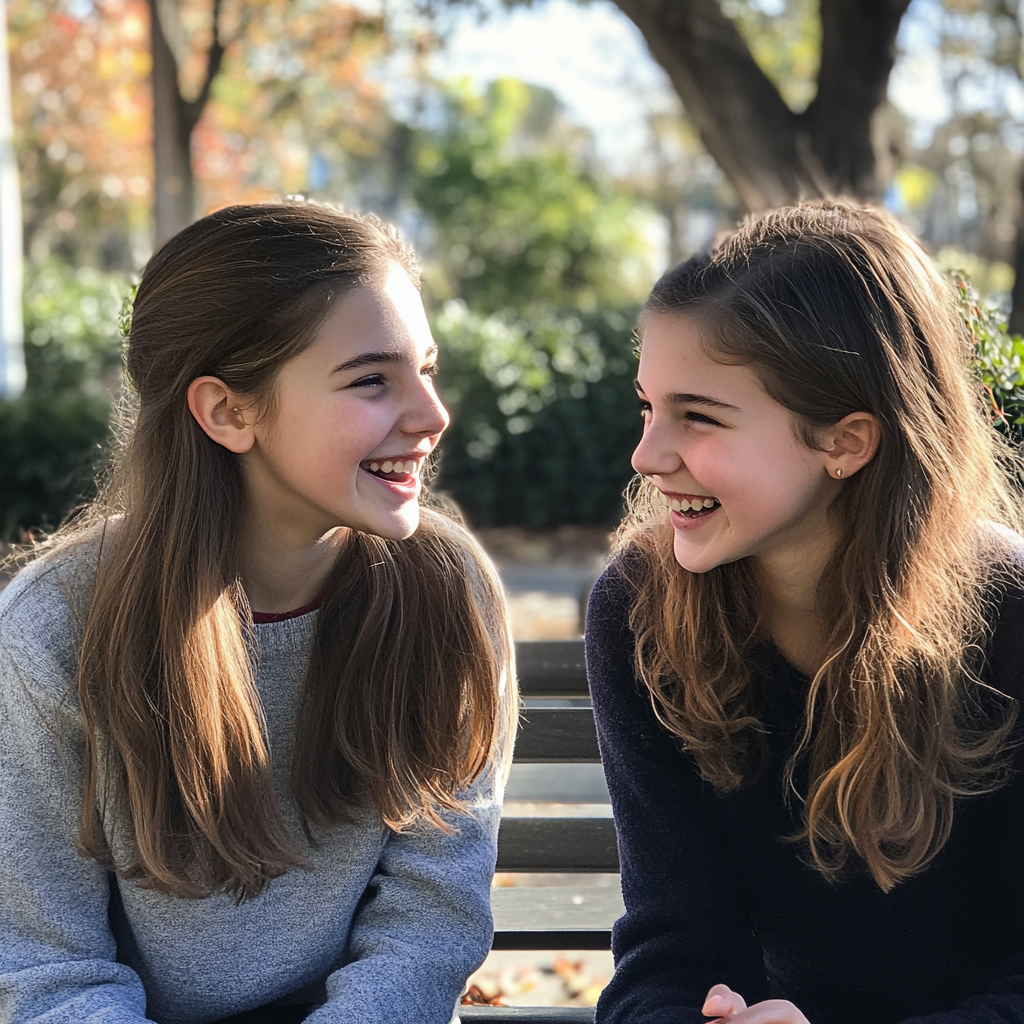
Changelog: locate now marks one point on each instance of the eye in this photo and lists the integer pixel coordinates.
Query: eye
(645, 407)
(699, 417)
(429, 371)
(372, 380)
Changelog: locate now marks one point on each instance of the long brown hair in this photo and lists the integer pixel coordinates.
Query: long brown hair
(402, 704)
(838, 310)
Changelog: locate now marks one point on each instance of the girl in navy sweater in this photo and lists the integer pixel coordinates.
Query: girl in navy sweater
(807, 653)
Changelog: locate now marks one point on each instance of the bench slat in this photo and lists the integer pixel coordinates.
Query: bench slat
(551, 668)
(555, 917)
(562, 735)
(528, 1014)
(557, 844)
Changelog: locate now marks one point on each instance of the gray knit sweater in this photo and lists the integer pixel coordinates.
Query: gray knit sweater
(392, 923)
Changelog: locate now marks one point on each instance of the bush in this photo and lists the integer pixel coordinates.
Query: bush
(544, 417)
(51, 446)
(72, 341)
(998, 360)
(52, 437)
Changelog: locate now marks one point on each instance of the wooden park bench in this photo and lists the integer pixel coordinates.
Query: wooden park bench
(563, 917)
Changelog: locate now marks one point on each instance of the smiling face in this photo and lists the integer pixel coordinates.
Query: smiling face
(738, 480)
(353, 419)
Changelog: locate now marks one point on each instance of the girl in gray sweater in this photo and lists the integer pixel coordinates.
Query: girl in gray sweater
(255, 702)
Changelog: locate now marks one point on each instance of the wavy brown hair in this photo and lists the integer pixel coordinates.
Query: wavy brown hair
(402, 703)
(838, 310)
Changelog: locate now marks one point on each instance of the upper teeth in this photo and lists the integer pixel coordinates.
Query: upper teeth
(393, 467)
(687, 505)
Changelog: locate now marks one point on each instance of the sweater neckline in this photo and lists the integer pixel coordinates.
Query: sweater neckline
(263, 617)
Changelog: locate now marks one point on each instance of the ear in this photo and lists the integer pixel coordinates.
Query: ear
(221, 413)
(851, 444)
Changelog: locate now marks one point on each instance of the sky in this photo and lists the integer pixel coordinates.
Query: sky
(594, 58)
(590, 55)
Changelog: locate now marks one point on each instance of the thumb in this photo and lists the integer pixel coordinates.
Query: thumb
(721, 1001)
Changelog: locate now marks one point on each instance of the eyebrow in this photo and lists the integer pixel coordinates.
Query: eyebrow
(372, 358)
(688, 398)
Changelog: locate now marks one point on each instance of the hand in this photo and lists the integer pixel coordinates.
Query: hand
(723, 1003)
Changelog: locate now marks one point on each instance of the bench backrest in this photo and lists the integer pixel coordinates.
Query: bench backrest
(562, 917)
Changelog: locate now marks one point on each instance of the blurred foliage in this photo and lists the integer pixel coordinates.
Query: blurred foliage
(72, 339)
(785, 39)
(545, 257)
(544, 415)
(50, 447)
(998, 359)
(517, 219)
(294, 102)
(51, 438)
(82, 112)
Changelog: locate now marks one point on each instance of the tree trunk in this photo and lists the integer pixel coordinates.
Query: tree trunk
(771, 155)
(174, 118)
(858, 50)
(174, 184)
(1016, 324)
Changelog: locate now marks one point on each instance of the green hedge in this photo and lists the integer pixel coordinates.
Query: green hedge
(544, 415)
(51, 447)
(51, 438)
(998, 360)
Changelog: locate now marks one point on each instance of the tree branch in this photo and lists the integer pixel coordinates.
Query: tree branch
(742, 120)
(858, 50)
(192, 110)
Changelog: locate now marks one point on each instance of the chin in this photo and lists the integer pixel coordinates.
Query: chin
(397, 528)
(695, 561)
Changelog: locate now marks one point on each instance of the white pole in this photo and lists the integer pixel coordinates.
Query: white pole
(12, 331)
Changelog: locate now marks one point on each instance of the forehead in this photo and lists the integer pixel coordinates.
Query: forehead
(672, 347)
(386, 316)
(676, 366)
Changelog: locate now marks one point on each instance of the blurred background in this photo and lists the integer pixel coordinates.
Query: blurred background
(548, 160)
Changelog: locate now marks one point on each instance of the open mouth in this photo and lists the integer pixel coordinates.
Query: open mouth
(692, 506)
(392, 469)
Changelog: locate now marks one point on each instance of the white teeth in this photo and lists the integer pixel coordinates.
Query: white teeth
(688, 504)
(390, 466)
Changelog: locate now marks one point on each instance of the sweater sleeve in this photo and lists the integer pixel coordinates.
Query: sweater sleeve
(686, 925)
(1002, 999)
(57, 954)
(424, 924)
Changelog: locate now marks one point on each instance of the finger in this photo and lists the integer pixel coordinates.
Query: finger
(721, 1001)
(771, 1011)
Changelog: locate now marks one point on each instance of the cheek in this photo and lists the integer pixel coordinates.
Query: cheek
(352, 432)
(713, 464)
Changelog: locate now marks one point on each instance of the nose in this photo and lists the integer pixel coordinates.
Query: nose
(427, 416)
(655, 455)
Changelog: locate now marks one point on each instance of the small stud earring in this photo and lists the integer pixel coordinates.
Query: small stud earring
(839, 474)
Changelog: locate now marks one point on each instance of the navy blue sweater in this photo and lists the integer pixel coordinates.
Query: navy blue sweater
(715, 892)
